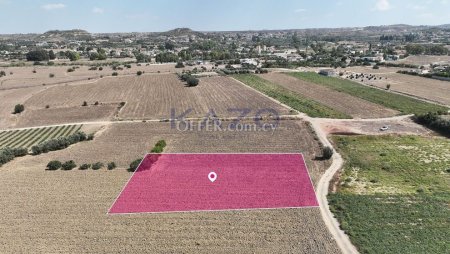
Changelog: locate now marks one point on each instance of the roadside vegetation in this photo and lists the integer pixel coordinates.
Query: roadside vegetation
(394, 192)
(404, 104)
(294, 100)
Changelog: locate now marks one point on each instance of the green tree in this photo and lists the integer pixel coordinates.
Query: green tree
(68, 165)
(38, 55)
(72, 55)
(19, 108)
(134, 165)
(54, 165)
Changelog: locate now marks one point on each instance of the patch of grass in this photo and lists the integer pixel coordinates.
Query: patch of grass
(293, 100)
(394, 193)
(404, 104)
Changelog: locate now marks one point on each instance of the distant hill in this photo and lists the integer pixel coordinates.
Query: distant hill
(58, 35)
(181, 32)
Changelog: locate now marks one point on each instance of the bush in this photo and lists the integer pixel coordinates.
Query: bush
(134, 165)
(115, 74)
(54, 165)
(84, 104)
(97, 166)
(20, 152)
(112, 165)
(100, 68)
(327, 153)
(179, 65)
(2, 73)
(68, 165)
(90, 137)
(70, 70)
(191, 81)
(19, 108)
(139, 73)
(435, 122)
(51, 75)
(85, 166)
(159, 147)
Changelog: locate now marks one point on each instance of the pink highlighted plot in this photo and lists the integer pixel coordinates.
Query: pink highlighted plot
(210, 182)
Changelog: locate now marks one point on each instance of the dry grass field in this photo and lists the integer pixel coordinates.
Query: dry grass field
(430, 89)
(341, 102)
(66, 211)
(153, 96)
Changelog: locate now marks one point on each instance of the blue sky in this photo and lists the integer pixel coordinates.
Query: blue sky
(25, 16)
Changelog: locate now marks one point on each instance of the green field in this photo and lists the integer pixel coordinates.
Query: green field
(394, 193)
(404, 104)
(26, 138)
(293, 100)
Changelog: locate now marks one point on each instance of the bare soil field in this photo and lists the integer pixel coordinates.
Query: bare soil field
(52, 116)
(425, 60)
(9, 98)
(426, 88)
(40, 75)
(345, 103)
(66, 211)
(153, 96)
(404, 127)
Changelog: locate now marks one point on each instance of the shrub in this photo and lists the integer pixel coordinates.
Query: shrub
(90, 137)
(388, 86)
(68, 165)
(139, 73)
(85, 166)
(159, 147)
(2, 73)
(54, 165)
(96, 103)
(70, 70)
(19, 108)
(51, 75)
(134, 165)
(97, 166)
(20, 152)
(179, 65)
(111, 165)
(191, 81)
(100, 68)
(84, 104)
(115, 74)
(327, 153)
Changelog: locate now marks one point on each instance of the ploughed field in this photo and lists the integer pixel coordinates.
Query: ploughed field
(66, 211)
(153, 96)
(345, 103)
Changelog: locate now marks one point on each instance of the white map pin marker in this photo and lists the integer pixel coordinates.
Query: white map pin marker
(212, 176)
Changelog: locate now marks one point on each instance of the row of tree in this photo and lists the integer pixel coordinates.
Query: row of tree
(44, 55)
(8, 154)
(60, 143)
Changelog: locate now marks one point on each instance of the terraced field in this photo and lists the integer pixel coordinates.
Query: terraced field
(28, 137)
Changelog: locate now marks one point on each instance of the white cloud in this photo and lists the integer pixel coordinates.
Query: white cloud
(97, 10)
(49, 7)
(300, 10)
(383, 5)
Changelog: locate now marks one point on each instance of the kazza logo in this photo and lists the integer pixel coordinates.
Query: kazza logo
(211, 122)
